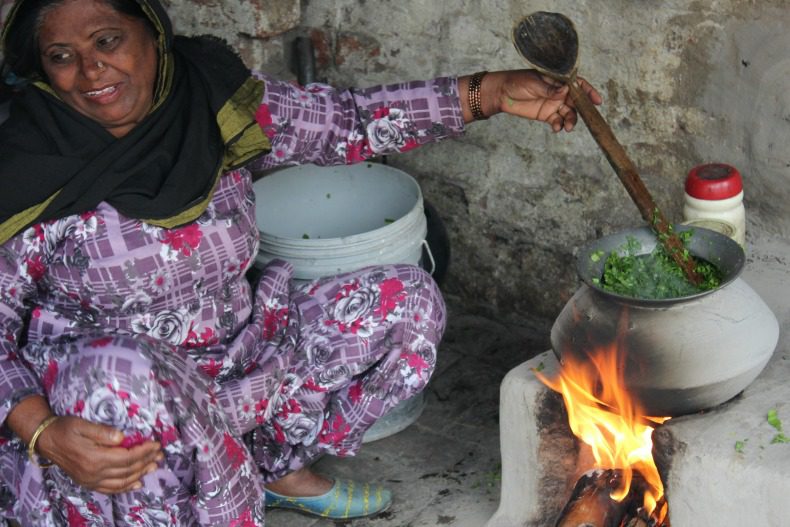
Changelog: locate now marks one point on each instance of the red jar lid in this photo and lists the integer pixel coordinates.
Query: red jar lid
(713, 181)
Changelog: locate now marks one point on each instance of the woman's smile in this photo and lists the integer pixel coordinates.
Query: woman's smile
(105, 95)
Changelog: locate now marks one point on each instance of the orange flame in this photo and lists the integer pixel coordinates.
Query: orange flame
(603, 415)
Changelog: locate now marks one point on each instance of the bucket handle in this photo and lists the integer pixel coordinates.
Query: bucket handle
(430, 255)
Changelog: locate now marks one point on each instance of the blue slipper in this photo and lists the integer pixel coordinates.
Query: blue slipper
(346, 499)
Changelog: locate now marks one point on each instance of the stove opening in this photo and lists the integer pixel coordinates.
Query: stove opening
(621, 487)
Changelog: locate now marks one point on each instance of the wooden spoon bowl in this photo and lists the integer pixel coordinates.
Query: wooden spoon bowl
(549, 42)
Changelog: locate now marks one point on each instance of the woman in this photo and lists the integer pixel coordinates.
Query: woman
(142, 380)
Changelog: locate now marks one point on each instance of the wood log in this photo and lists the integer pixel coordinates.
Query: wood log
(641, 520)
(591, 505)
(637, 514)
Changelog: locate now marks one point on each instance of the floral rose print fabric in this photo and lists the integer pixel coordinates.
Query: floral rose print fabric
(158, 333)
(321, 125)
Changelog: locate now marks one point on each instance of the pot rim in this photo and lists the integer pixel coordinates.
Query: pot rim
(720, 250)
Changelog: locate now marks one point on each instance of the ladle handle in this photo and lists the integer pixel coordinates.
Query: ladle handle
(629, 176)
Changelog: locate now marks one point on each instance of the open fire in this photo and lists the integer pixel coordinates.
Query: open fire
(625, 489)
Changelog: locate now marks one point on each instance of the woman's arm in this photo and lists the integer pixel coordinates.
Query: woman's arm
(20, 265)
(319, 124)
(325, 126)
(88, 452)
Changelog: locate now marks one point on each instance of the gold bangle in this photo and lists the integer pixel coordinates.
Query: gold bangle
(475, 102)
(31, 447)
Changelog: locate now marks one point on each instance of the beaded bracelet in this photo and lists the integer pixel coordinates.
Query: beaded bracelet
(475, 102)
(31, 447)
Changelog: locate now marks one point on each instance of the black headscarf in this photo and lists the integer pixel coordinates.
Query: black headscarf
(55, 162)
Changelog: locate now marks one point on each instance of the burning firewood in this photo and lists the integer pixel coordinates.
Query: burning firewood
(640, 519)
(591, 504)
(605, 417)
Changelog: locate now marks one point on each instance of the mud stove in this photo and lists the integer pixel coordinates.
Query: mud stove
(727, 466)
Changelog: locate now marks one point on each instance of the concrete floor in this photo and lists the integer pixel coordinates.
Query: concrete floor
(444, 470)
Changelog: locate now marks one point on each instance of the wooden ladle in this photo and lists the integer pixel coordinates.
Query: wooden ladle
(549, 42)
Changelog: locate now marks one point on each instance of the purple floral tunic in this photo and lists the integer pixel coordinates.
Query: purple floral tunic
(158, 333)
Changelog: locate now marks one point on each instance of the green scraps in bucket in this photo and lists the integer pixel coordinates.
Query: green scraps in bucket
(651, 276)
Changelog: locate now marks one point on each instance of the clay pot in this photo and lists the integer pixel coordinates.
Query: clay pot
(682, 354)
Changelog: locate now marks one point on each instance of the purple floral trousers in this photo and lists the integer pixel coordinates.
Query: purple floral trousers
(317, 364)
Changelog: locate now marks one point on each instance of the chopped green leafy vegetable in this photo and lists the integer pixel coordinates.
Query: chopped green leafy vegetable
(596, 256)
(655, 275)
(305, 236)
(388, 220)
(328, 195)
(780, 438)
(539, 367)
(740, 445)
(773, 419)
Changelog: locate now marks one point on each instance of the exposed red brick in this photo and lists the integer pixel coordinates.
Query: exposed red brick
(349, 44)
(322, 47)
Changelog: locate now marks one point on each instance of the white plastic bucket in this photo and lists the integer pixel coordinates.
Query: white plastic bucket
(328, 220)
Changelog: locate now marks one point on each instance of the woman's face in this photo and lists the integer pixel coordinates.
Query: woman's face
(100, 62)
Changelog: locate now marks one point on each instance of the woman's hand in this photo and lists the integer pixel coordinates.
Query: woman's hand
(91, 454)
(528, 94)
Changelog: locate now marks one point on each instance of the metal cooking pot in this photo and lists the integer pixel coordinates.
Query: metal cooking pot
(682, 354)
(716, 248)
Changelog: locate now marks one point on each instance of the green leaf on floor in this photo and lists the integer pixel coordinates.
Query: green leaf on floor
(780, 438)
(773, 419)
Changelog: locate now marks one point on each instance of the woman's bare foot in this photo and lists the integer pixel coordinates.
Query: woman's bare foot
(301, 483)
